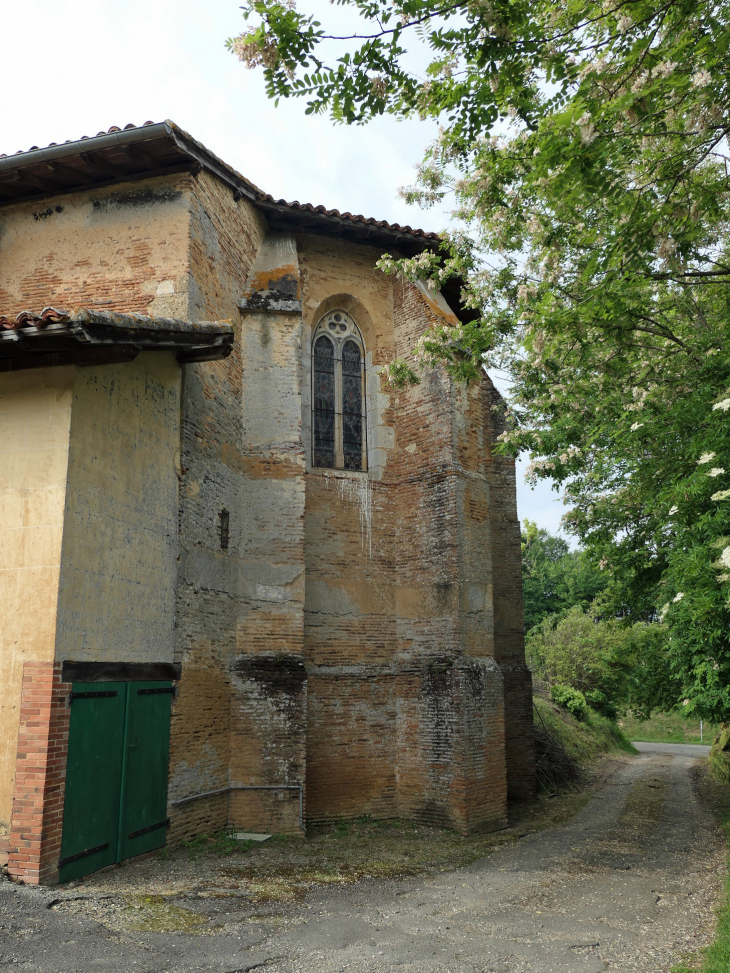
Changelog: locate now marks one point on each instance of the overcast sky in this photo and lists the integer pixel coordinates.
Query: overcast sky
(76, 67)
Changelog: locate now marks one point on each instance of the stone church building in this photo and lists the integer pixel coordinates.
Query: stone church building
(245, 582)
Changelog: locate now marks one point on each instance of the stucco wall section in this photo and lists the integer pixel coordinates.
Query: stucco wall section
(119, 248)
(116, 595)
(35, 418)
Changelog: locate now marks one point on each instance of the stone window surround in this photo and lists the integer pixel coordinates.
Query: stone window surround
(340, 327)
(380, 435)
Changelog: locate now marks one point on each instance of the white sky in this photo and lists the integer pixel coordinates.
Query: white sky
(80, 66)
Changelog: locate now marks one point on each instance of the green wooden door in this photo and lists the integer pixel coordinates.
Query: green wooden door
(116, 777)
(144, 807)
(93, 778)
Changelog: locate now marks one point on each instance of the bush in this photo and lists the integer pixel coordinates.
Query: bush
(616, 665)
(600, 702)
(571, 699)
(719, 759)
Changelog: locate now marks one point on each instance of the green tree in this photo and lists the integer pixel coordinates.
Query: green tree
(554, 578)
(615, 664)
(585, 147)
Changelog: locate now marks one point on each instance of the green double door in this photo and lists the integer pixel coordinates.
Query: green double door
(115, 804)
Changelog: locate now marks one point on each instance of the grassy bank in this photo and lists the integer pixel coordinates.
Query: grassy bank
(667, 728)
(583, 741)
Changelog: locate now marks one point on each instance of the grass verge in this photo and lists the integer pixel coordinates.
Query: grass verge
(667, 728)
(716, 958)
(583, 741)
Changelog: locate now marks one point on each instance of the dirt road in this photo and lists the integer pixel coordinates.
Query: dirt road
(628, 885)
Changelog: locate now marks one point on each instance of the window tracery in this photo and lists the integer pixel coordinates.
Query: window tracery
(338, 394)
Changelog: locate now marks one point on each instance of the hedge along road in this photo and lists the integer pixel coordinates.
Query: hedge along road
(627, 884)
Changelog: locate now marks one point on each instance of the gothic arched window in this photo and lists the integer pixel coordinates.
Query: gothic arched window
(338, 394)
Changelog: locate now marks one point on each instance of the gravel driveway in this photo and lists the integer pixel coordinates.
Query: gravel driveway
(628, 884)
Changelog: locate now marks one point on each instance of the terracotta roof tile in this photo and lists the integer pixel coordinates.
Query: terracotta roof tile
(114, 128)
(349, 217)
(254, 193)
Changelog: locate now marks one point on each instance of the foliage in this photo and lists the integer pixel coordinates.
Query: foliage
(617, 665)
(585, 145)
(719, 759)
(570, 699)
(554, 578)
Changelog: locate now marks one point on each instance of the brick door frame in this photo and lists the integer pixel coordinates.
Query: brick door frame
(36, 825)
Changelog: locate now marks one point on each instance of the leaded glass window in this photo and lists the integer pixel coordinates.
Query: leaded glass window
(338, 394)
(323, 399)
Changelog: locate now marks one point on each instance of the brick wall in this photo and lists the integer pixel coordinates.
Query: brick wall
(406, 701)
(509, 637)
(241, 713)
(40, 775)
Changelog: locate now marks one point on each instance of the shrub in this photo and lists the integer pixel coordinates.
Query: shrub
(571, 699)
(719, 759)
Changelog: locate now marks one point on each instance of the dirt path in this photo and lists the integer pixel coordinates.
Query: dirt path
(628, 885)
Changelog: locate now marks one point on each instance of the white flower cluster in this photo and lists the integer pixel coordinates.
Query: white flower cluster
(705, 458)
(587, 129)
(664, 70)
(720, 495)
(674, 510)
(678, 597)
(572, 451)
(666, 248)
(724, 405)
(724, 559)
(716, 471)
(701, 79)
(636, 425)
(252, 54)
(642, 80)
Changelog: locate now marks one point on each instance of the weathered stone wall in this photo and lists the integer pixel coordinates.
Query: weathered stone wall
(359, 633)
(399, 623)
(238, 720)
(35, 418)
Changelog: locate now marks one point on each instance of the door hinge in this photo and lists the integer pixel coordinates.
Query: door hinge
(94, 695)
(150, 827)
(82, 854)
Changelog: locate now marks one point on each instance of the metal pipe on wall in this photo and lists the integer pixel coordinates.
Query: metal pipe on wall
(249, 787)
